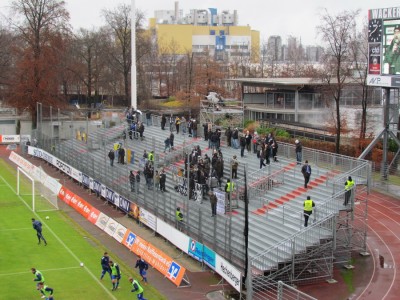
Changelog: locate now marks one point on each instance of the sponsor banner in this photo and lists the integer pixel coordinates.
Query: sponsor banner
(195, 249)
(228, 272)
(22, 163)
(176, 237)
(377, 80)
(103, 191)
(52, 184)
(9, 139)
(102, 221)
(220, 201)
(66, 195)
(119, 233)
(61, 193)
(91, 184)
(62, 166)
(148, 218)
(209, 257)
(129, 239)
(198, 192)
(83, 207)
(94, 215)
(159, 260)
(77, 175)
(124, 204)
(134, 210)
(115, 199)
(111, 226)
(374, 59)
(109, 195)
(96, 187)
(85, 180)
(41, 154)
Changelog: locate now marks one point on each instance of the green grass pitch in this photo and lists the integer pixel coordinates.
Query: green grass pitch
(59, 261)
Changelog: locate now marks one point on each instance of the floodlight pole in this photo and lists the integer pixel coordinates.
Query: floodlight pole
(133, 58)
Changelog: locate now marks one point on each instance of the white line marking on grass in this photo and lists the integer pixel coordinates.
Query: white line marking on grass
(62, 243)
(47, 270)
(12, 229)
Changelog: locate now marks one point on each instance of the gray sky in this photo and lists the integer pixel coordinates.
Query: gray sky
(284, 17)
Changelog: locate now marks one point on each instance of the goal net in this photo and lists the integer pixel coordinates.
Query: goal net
(34, 193)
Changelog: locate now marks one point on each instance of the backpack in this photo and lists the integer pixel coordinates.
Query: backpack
(146, 266)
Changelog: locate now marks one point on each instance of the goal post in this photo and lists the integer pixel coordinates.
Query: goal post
(37, 196)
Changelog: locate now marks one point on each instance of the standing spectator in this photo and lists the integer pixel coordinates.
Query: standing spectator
(141, 130)
(137, 181)
(242, 145)
(229, 187)
(137, 289)
(177, 124)
(206, 131)
(194, 128)
(348, 187)
(37, 225)
(105, 266)
(228, 134)
(262, 157)
(213, 201)
(299, 152)
(179, 219)
(171, 123)
(235, 165)
(306, 170)
(167, 144)
(46, 291)
(115, 274)
(190, 127)
(163, 179)
(121, 155)
(249, 139)
(148, 118)
(163, 122)
(255, 142)
(157, 180)
(171, 140)
(143, 266)
(183, 125)
(235, 139)
(308, 208)
(150, 157)
(111, 156)
(274, 146)
(132, 181)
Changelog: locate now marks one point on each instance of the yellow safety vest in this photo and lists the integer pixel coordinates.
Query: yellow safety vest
(308, 205)
(150, 157)
(349, 185)
(230, 186)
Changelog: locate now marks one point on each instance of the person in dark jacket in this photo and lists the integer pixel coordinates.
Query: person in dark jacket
(242, 145)
(105, 265)
(213, 201)
(163, 122)
(37, 225)
(111, 156)
(143, 266)
(132, 181)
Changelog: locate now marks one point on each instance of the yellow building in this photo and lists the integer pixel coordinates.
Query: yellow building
(204, 31)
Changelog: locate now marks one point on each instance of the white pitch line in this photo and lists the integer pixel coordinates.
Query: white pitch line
(12, 229)
(47, 270)
(63, 244)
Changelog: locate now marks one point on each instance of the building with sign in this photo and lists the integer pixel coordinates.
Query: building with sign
(204, 30)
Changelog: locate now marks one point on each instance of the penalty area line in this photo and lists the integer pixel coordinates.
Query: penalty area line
(45, 270)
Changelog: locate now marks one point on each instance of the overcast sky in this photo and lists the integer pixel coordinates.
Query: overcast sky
(285, 17)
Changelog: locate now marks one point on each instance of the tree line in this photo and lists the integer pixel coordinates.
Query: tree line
(43, 60)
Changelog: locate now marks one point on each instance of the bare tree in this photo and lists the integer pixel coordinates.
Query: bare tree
(359, 54)
(119, 21)
(6, 42)
(41, 28)
(337, 32)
